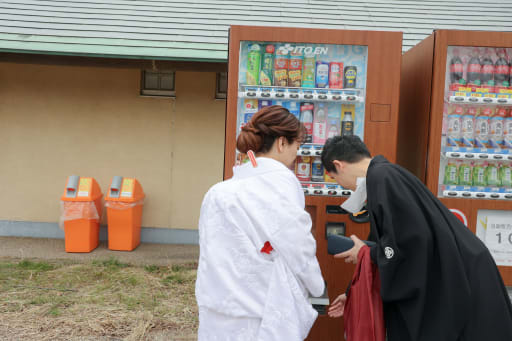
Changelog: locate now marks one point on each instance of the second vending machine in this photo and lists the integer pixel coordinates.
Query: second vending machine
(456, 107)
(336, 82)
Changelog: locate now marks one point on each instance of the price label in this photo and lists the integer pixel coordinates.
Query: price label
(460, 94)
(476, 95)
(498, 239)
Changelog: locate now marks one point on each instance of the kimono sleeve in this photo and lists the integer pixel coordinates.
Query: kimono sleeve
(295, 243)
(404, 244)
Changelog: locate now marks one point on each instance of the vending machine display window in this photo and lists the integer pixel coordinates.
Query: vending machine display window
(323, 85)
(476, 145)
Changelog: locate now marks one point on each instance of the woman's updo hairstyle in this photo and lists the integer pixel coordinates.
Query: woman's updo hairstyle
(266, 126)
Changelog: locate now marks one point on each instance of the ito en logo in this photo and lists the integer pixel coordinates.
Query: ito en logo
(304, 49)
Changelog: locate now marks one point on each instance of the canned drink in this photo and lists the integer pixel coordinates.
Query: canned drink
(479, 175)
(450, 174)
(350, 77)
(303, 168)
(336, 75)
(322, 74)
(317, 170)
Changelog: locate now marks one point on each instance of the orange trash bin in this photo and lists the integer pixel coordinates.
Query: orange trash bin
(124, 202)
(80, 214)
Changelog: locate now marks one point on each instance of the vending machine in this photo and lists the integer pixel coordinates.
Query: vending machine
(455, 130)
(336, 82)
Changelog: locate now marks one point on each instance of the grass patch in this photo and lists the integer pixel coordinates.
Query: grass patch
(39, 266)
(112, 263)
(59, 301)
(152, 268)
(174, 279)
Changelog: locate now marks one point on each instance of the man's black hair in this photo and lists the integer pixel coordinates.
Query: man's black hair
(343, 148)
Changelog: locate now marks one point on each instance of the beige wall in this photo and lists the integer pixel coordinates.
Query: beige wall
(57, 121)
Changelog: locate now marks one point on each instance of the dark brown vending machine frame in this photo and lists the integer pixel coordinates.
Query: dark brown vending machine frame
(380, 135)
(422, 93)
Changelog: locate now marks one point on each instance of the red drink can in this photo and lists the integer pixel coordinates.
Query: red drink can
(336, 75)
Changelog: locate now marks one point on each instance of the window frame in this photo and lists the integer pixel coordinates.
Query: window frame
(158, 92)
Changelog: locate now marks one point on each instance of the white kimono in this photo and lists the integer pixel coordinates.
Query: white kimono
(242, 293)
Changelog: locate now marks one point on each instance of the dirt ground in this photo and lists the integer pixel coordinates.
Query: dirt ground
(46, 294)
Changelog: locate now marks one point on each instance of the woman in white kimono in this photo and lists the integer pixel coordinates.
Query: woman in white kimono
(257, 254)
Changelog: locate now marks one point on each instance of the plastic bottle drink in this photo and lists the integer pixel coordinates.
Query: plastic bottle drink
(501, 71)
(507, 131)
(294, 108)
(496, 128)
(281, 67)
(479, 174)
(320, 124)
(454, 132)
(491, 175)
(465, 176)
(487, 72)
(335, 75)
(295, 69)
(253, 64)
(317, 170)
(505, 175)
(303, 168)
(482, 128)
(450, 173)
(474, 69)
(456, 68)
(267, 65)
(468, 128)
(306, 117)
(322, 74)
(308, 72)
(333, 128)
(350, 77)
(347, 124)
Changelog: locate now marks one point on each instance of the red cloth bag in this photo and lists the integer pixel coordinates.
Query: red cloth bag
(364, 316)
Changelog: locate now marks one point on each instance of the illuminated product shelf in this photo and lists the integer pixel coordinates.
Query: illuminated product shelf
(302, 94)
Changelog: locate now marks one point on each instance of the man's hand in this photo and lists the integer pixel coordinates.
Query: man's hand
(351, 255)
(337, 307)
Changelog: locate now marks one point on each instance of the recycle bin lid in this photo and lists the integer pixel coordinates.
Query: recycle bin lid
(87, 190)
(130, 191)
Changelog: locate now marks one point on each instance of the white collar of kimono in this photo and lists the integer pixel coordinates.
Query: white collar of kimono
(265, 165)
